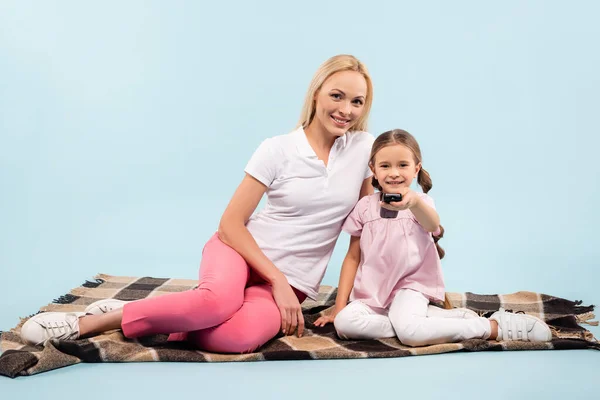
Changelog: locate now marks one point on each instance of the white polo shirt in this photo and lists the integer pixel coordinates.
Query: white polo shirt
(307, 202)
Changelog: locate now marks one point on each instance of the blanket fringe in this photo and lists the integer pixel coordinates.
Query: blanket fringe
(582, 309)
(585, 318)
(65, 299)
(97, 282)
(589, 336)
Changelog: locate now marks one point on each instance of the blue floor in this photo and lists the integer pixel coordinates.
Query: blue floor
(516, 375)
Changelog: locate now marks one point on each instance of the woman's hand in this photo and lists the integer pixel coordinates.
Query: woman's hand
(292, 319)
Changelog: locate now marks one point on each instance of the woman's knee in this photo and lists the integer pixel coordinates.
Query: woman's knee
(250, 327)
(216, 304)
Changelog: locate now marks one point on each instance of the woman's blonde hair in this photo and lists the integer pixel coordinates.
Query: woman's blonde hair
(342, 62)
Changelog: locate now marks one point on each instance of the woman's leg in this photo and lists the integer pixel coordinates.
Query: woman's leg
(220, 293)
(253, 325)
(359, 321)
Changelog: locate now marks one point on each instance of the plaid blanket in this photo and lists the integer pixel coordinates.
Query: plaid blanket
(562, 315)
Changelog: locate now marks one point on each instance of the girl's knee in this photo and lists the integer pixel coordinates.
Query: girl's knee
(345, 324)
(407, 332)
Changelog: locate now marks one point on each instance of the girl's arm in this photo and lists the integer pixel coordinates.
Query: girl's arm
(352, 259)
(428, 218)
(349, 268)
(233, 232)
(426, 215)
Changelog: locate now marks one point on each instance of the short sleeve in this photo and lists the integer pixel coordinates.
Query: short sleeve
(355, 220)
(429, 201)
(370, 140)
(263, 164)
(368, 173)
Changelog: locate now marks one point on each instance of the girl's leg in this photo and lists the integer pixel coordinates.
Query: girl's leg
(253, 325)
(359, 321)
(408, 315)
(437, 312)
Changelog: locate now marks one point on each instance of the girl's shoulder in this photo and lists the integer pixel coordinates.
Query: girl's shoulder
(367, 206)
(369, 200)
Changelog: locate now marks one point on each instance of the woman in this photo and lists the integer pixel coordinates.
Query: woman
(257, 269)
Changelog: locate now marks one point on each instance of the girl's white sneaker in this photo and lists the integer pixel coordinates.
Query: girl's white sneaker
(521, 327)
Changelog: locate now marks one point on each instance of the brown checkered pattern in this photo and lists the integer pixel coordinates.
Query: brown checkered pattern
(562, 315)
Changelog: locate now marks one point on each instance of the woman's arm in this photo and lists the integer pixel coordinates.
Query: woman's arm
(233, 232)
(366, 189)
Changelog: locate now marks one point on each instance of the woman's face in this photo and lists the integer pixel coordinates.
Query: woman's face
(340, 102)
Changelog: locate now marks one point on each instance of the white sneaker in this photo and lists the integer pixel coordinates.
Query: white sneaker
(521, 327)
(104, 306)
(459, 313)
(51, 325)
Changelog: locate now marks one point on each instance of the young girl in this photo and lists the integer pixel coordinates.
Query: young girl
(392, 270)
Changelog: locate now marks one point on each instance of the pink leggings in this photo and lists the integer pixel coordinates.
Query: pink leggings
(231, 311)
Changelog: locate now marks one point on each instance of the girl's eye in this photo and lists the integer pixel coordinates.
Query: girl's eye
(359, 102)
(336, 96)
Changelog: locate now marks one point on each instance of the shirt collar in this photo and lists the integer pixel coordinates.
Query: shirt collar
(304, 147)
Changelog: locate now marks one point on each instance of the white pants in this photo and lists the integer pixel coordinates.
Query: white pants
(411, 319)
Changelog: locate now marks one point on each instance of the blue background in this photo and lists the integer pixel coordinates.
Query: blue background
(125, 128)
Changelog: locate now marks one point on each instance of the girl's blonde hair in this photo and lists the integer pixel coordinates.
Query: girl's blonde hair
(343, 62)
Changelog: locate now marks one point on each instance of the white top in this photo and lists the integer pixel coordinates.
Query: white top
(307, 202)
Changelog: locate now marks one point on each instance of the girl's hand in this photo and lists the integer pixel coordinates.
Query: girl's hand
(326, 319)
(291, 312)
(409, 200)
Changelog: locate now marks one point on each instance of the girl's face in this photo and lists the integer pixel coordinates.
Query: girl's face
(340, 102)
(394, 168)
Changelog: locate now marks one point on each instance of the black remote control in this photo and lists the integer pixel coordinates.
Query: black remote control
(389, 197)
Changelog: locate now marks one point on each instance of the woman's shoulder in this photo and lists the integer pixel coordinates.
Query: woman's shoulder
(361, 137)
(282, 142)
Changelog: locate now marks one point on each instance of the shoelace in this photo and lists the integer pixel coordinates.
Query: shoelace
(60, 330)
